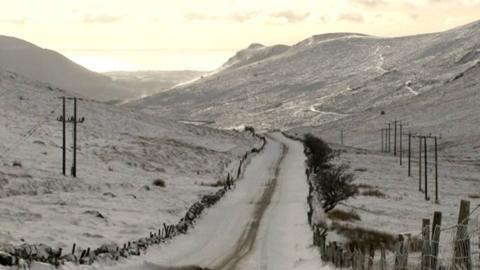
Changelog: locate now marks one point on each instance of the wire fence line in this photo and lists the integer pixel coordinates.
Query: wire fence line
(434, 248)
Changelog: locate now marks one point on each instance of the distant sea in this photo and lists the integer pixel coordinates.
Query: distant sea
(153, 59)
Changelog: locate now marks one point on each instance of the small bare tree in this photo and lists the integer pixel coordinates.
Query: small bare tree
(334, 185)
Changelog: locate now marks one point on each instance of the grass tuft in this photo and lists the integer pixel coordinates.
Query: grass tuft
(374, 193)
(341, 215)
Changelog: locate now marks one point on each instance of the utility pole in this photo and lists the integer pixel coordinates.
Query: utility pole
(436, 172)
(63, 119)
(341, 137)
(389, 137)
(386, 141)
(395, 138)
(382, 139)
(75, 120)
(64, 143)
(74, 164)
(401, 139)
(419, 163)
(409, 154)
(426, 171)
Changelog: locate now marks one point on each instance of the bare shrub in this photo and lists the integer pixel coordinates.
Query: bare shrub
(334, 185)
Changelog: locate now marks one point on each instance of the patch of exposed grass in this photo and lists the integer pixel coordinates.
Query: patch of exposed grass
(364, 237)
(360, 169)
(374, 193)
(219, 183)
(474, 196)
(364, 186)
(341, 215)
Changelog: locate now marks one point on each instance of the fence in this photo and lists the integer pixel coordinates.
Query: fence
(434, 248)
(23, 255)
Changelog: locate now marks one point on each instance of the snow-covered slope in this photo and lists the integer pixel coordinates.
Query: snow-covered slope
(48, 66)
(120, 154)
(343, 76)
(254, 53)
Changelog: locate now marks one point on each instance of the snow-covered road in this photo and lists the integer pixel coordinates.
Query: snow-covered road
(261, 225)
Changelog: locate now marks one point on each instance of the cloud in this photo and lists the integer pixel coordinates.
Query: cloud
(414, 16)
(194, 16)
(102, 19)
(15, 21)
(351, 17)
(243, 16)
(369, 3)
(236, 17)
(291, 16)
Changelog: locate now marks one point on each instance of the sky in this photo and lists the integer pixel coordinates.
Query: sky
(105, 35)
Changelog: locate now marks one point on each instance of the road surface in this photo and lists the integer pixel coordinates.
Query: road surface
(261, 225)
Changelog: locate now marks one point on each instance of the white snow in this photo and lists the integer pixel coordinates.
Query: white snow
(283, 239)
(120, 154)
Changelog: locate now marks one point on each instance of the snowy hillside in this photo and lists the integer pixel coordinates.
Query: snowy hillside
(120, 154)
(342, 76)
(48, 66)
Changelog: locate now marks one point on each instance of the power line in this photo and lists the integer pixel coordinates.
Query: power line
(27, 135)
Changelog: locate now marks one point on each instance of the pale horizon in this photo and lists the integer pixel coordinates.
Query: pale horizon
(192, 35)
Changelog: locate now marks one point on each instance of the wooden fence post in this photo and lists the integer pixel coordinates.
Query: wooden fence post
(371, 256)
(401, 254)
(436, 173)
(383, 258)
(425, 265)
(436, 226)
(462, 254)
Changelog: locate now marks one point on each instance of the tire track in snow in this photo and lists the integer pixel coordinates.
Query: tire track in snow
(245, 245)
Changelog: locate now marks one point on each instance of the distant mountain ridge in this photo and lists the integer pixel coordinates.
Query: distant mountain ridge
(48, 66)
(332, 79)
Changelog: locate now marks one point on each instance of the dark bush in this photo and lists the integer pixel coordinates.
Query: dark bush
(334, 185)
(159, 183)
(319, 154)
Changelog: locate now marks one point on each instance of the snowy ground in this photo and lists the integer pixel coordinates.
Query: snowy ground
(404, 206)
(120, 154)
(402, 209)
(261, 225)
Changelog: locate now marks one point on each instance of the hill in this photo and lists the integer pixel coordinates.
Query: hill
(120, 155)
(343, 81)
(50, 67)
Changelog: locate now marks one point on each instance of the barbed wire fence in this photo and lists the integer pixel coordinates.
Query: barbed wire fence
(454, 247)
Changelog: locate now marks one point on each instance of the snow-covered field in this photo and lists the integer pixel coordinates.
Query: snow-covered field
(404, 206)
(120, 154)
